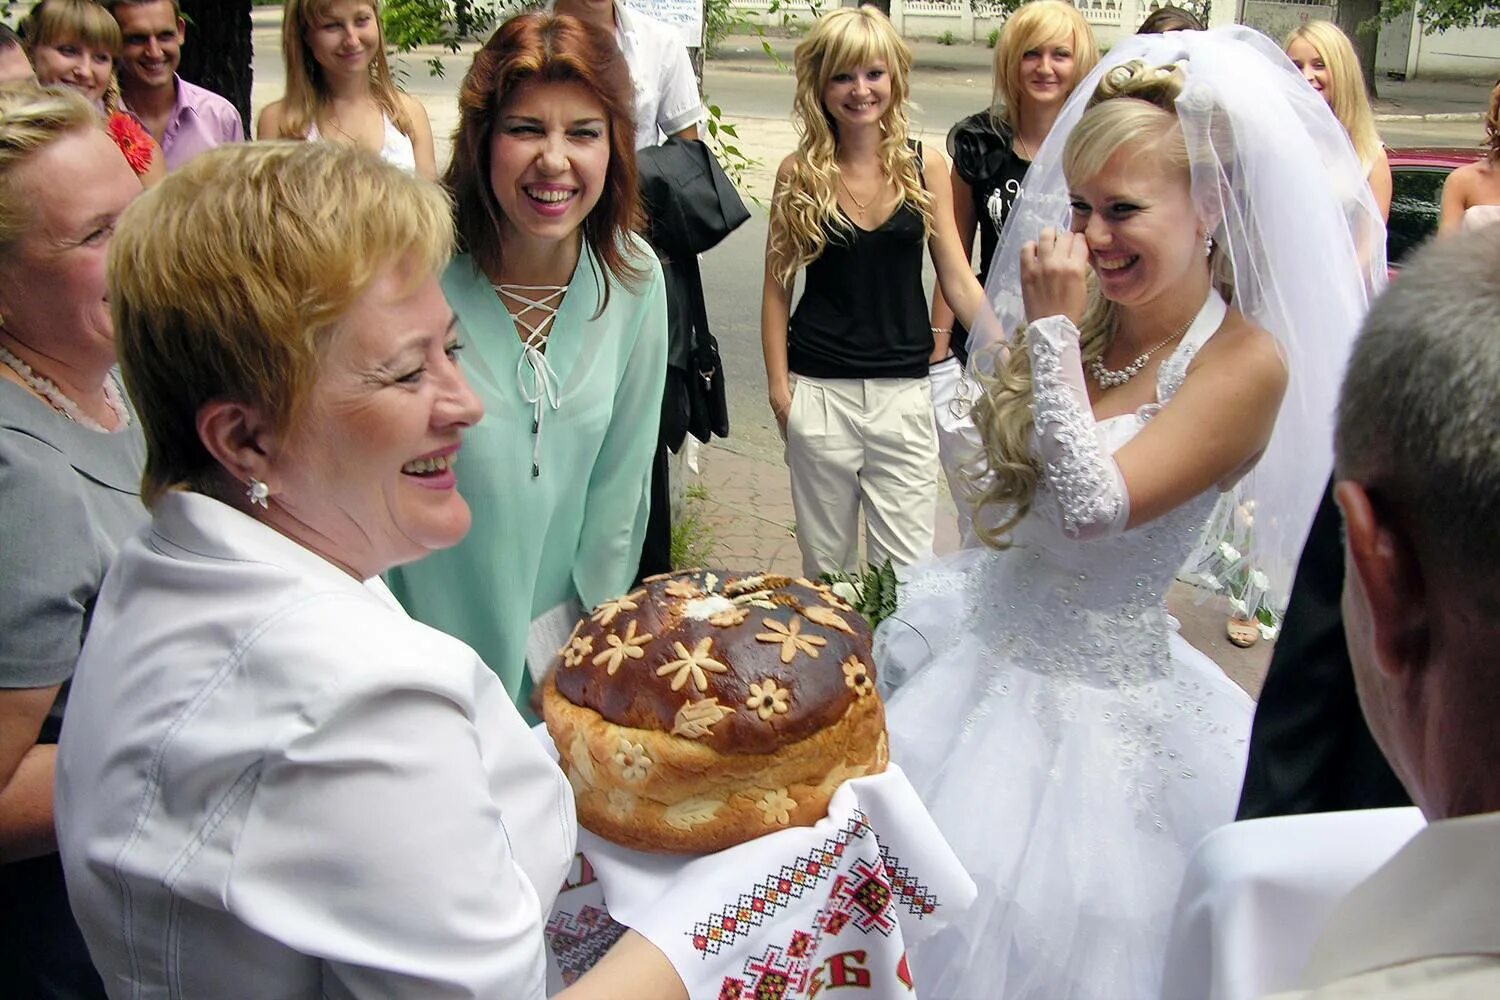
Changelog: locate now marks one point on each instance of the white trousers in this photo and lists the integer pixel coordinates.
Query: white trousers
(866, 444)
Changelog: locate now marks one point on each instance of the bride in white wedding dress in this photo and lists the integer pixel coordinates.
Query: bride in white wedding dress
(1187, 306)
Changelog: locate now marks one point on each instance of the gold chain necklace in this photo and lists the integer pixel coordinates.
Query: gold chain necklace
(857, 203)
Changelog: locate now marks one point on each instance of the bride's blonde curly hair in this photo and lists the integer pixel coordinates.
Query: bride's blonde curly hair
(807, 205)
(1134, 106)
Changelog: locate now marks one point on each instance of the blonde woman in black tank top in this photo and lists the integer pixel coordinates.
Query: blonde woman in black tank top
(853, 207)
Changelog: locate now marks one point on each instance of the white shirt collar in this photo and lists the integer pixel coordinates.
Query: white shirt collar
(1440, 895)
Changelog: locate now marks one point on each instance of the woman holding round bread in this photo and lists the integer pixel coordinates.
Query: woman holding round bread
(269, 773)
(566, 307)
(854, 207)
(1181, 335)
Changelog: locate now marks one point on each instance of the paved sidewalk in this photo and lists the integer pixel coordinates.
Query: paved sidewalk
(749, 510)
(1399, 100)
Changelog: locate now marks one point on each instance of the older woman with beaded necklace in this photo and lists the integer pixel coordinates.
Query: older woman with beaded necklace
(70, 468)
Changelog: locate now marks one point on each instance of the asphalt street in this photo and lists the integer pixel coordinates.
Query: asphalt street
(757, 100)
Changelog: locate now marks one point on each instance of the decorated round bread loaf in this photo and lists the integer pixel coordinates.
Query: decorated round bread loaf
(709, 708)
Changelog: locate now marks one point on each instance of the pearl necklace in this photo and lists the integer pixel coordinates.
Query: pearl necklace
(1108, 378)
(48, 390)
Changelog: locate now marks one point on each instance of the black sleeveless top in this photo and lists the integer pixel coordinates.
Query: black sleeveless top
(863, 312)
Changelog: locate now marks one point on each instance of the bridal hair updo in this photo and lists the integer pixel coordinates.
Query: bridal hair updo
(807, 207)
(1133, 108)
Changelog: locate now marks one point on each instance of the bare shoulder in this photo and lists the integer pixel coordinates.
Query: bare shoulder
(1244, 351)
(268, 125)
(1462, 177)
(785, 169)
(412, 106)
(934, 163)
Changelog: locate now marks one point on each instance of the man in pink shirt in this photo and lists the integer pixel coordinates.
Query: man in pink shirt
(184, 118)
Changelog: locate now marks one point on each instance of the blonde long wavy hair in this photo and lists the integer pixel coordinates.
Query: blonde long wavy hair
(1133, 107)
(806, 208)
(304, 78)
(1346, 90)
(1033, 24)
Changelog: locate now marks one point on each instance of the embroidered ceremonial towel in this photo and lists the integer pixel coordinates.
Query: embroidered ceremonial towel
(787, 915)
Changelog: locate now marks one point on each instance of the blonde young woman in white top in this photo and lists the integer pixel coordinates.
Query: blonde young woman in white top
(339, 86)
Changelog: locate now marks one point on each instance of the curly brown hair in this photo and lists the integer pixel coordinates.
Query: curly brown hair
(1491, 143)
(550, 48)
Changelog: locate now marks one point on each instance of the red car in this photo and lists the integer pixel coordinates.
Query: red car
(1417, 176)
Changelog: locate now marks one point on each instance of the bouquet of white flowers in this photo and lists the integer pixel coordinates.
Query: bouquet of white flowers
(1227, 571)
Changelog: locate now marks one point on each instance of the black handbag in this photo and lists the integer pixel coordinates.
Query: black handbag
(691, 206)
(691, 203)
(708, 407)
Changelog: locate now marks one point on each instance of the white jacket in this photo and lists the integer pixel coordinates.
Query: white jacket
(273, 783)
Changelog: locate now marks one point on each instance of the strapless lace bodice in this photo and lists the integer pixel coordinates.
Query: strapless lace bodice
(1090, 610)
(1481, 216)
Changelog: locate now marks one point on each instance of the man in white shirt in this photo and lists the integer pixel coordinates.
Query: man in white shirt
(667, 102)
(1418, 481)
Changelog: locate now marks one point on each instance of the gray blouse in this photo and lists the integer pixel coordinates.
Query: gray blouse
(69, 496)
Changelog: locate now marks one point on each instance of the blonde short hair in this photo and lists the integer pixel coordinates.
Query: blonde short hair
(31, 119)
(229, 279)
(53, 21)
(1034, 24)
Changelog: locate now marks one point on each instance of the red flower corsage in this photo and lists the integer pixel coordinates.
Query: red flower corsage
(133, 140)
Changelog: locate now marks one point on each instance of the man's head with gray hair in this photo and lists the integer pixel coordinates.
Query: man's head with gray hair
(1418, 463)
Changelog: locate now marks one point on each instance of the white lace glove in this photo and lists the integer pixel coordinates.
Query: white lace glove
(959, 448)
(1080, 471)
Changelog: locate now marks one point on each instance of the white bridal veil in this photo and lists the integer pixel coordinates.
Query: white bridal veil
(1294, 213)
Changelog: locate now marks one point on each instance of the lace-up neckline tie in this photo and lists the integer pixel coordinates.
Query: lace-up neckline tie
(535, 378)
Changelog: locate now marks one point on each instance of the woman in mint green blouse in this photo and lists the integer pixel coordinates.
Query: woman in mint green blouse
(564, 314)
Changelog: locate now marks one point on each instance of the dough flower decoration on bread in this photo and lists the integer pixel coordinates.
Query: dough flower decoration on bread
(631, 645)
(694, 663)
(632, 760)
(791, 638)
(768, 699)
(776, 807)
(577, 650)
(607, 611)
(827, 617)
(696, 718)
(857, 676)
(681, 588)
(729, 618)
